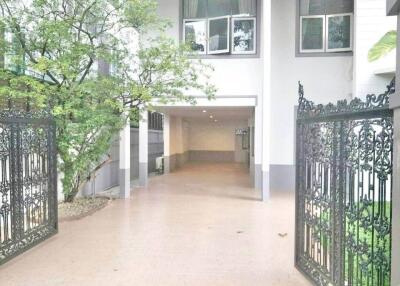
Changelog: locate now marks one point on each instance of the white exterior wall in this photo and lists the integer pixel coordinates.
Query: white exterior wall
(185, 136)
(176, 135)
(371, 23)
(325, 79)
(232, 77)
(235, 77)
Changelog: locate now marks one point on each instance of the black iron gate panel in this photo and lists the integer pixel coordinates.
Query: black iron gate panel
(343, 191)
(28, 181)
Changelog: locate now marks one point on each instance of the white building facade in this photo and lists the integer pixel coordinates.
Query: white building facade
(260, 51)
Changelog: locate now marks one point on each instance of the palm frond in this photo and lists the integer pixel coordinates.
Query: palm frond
(384, 46)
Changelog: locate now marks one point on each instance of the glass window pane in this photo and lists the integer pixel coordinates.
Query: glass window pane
(339, 32)
(312, 7)
(339, 6)
(218, 8)
(312, 33)
(243, 35)
(218, 35)
(195, 35)
(244, 7)
(193, 9)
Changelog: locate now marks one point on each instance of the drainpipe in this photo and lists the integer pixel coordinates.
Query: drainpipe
(393, 8)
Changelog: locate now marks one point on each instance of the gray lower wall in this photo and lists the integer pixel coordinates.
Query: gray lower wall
(212, 156)
(282, 178)
(108, 176)
(176, 161)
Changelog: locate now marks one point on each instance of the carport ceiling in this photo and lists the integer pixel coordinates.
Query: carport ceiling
(220, 113)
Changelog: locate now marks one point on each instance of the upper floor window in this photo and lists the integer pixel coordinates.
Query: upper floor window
(220, 26)
(326, 26)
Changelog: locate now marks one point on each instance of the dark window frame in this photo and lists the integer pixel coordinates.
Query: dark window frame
(316, 54)
(229, 55)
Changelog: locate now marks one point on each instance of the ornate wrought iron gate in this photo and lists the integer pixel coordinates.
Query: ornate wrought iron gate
(28, 181)
(343, 191)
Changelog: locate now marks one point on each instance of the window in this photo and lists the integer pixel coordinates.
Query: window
(155, 121)
(196, 35)
(243, 35)
(220, 26)
(325, 26)
(218, 35)
(14, 58)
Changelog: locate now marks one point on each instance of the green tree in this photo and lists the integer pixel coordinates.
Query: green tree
(384, 46)
(66, 42)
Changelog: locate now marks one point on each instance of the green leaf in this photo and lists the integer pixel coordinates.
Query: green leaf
(384, 46)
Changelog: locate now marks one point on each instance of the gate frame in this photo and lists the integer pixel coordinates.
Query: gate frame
(308, 112)
(14, 117)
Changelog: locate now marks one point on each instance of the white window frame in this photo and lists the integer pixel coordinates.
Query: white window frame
(205, 29)
(327, 33)
(227, 50)
(234, 19)
(307, 51)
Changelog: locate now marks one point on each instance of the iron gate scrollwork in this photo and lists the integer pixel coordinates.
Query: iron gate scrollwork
(28, 180)
(343, 190)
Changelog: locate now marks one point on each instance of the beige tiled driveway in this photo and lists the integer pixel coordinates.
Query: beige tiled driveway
(201, 225)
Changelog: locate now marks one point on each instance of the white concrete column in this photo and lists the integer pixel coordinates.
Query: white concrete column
(250, 122)
(125, 161)
(258, 145)
(266, 115)
(179, 142)
(143, 148)
(166, 134)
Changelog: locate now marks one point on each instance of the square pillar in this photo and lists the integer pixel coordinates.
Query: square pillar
(143, 148)
(166, 134)
(124, 161)
(266, 114)
(258, 146)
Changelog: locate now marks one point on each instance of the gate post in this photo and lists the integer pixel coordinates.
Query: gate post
(396, 193)
(393, 8)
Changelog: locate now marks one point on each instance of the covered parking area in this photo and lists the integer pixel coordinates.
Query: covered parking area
(213, 133)
(207, 134)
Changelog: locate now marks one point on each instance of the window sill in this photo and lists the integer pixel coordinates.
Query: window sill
(316, 55)
(226, 56)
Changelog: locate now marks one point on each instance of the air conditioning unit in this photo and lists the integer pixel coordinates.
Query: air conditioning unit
(160, 165)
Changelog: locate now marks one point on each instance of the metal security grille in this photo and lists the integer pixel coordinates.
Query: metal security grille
(343, 191)
(28, 190)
